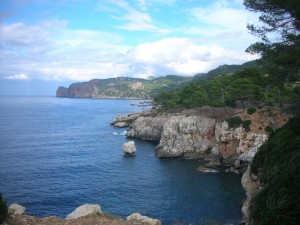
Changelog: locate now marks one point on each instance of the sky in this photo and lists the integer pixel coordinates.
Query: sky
(48, 43)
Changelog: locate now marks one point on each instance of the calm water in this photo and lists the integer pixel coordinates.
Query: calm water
(57, 154)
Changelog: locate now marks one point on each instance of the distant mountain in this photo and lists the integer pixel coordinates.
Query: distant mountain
(122, 87)
(224, 70)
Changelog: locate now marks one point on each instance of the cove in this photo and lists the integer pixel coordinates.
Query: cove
(57, 154)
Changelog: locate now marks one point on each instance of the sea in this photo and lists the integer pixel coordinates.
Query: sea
(59, 153)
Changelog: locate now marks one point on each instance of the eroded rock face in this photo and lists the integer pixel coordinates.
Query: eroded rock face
(251, 188)
(147, 128)
(16, 209)
(191, 136)
(129, 148)
(144, 219)
(84, 210)
(124, 120)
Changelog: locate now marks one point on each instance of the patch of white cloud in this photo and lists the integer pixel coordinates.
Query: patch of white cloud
(21, 76)
(224, 22)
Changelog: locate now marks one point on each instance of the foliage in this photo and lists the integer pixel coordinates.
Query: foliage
(3, 209)
(249, 84)
(234, 122)
(246, 125)
(269, 129)
(281, 19)
(251, 110)
(277, 165)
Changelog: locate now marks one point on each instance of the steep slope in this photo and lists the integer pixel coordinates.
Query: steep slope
(122, 87)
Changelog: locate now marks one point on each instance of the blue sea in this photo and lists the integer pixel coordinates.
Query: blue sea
(58, 153)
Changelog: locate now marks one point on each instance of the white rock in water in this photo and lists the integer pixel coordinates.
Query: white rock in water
(16, 209)
(129, 148)
(84, 210)
(144, 219)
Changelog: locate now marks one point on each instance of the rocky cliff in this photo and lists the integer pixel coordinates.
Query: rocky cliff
(121, 87)
(190, 134)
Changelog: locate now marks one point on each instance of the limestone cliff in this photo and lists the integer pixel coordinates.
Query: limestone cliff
(191, 136)
(147, 128)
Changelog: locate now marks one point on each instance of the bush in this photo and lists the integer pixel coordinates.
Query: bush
(234, 122)
(277, 165)
(269, 129)
(3, 209)
(251, 110)
(246, 124)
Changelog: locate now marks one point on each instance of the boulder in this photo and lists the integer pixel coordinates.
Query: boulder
(84, 210)
(144, 219)
(16, 209)
(129, 148)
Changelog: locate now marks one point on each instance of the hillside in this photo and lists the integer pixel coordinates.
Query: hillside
(122, 87)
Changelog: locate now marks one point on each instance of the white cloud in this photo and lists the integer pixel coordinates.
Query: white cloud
(181, 56)
(139, 21)
(224, 22)
(20, 76)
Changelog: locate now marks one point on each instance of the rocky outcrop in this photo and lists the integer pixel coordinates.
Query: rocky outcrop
(144, 219)
(124, 120)
(191, 136)
(147, 128)
(129, 148)
(251, 186)
(16, 209)
(84, 210)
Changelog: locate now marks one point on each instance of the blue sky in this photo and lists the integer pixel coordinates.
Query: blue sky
(57, 42)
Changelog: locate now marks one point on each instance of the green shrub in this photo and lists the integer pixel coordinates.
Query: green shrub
(246, 125)
(234, 122)
(269, 129)
(251, 110)
(277, 165)
(3, 209)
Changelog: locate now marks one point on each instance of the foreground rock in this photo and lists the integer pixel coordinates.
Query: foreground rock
(86, 220)
(16, 209)
(144, 219)
(84, 210)
(129, 148)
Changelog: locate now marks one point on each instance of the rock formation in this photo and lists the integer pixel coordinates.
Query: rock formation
(129, 148)
(144, 219)
(16, 209)
(124, 120)
(191, 136)
(251, 187)
(147, 128)
(84, 210)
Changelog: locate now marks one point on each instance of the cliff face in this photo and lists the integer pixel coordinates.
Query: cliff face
(187, 137)
(78, 90)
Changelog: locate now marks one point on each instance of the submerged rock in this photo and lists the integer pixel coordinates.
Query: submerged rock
(84, 210)
(204, 169)
(16, 209)
(129, 148)
(144, 219)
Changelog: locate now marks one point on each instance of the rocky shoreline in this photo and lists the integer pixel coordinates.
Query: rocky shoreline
(194, 134)
(198, 134)
(85, 214)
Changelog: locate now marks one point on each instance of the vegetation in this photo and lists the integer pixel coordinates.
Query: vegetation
(251, 84)
(234, 122)
(138, 88)
(277, 165)
(246, 125)
(3, 209)
(251, 110)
